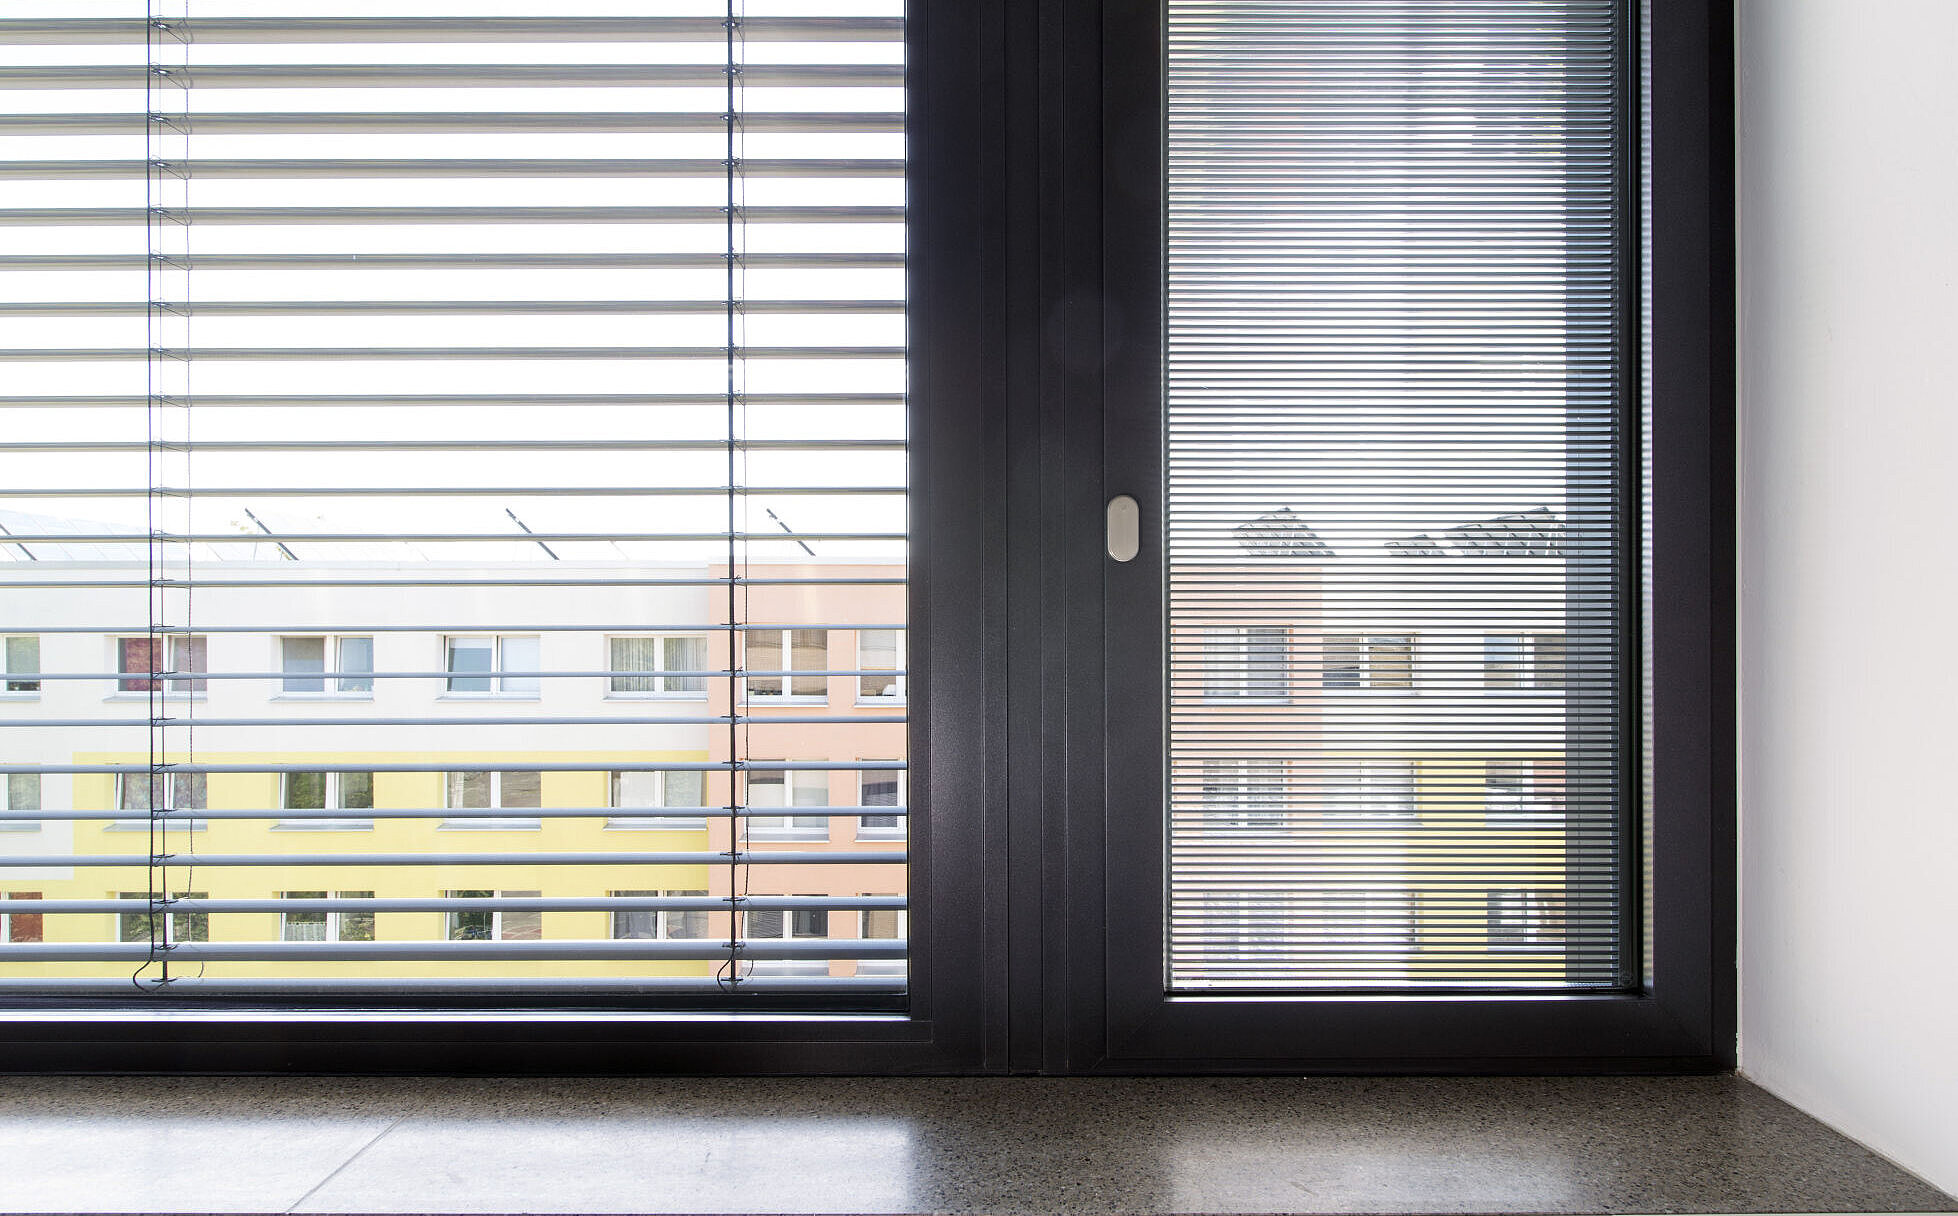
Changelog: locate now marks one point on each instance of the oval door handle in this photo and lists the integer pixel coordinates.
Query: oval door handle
(1124, 528)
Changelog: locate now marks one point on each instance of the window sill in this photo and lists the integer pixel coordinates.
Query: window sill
(512, 824)
(489, 696)
(138, 698)
(169, 825)
(656, 823)
(772, 702)
(655, 696)
(20, 827)
(786, 835)
(20, 696)
(324, 825)
(322, 696)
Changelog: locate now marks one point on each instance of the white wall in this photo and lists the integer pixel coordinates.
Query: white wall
(1849, 537)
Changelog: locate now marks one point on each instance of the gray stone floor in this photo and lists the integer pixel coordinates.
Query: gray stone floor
(1005, 1145)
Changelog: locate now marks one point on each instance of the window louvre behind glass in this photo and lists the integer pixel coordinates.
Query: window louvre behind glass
(434, 437)
(1397, 435)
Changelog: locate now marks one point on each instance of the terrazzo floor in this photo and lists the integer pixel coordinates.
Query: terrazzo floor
(1006, 1145)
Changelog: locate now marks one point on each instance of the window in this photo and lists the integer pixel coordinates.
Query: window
(495, 924)
(137, 659)
(495, 790)
(660, 923)
(680, 789)
(478, 665)
(327, 791)
(880, 665)
(792, 787)
(139, 926)
(880, 787)
(774, 652)
(20, 664)
(1515, 799)
(182, 791)
(881, 924)
(1244, 794)
(1369, 661)
(1523, 661)
(1375, 792)
(20, 792)
(16, 923)
(326, 923)
(1522, 918)
(649, 664)
(771, 924)
(1247, 661)
(303, 662)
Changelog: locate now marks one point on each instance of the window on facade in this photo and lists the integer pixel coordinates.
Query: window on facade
(178, 791)
(140, 659)
(660, 923)
(1246, 661)
(880, 665)
(1369, 661)
(327, 791)
(517, 790)
(495, 924)
(165, 925)
(324, 922)
(20, 792)
(17, 924)
(20, 664)
(303, 663)
(880, 787)
(785, 788)
(774, 652)
(1244, 794)
(1368, 791)
(1523, 661)
(1521, 918)
(680, 790)
(502, 665)
(658, 666)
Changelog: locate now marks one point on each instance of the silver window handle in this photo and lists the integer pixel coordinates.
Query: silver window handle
(1124, 528)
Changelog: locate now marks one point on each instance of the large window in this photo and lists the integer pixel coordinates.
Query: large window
(651, 460)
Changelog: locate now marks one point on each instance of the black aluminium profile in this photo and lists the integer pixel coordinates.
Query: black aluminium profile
(1682, 1018)
(958, 961)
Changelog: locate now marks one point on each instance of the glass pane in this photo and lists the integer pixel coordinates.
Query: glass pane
(356, 655)
(1398, 481)
(810, 652)
(23, 792)
(302, 655)
(189, 654)
(470, 790)
(471, 655)
(305, 791)
(579, 488)
(683, 788)
(23, 658)
(357, 791)
(523, 790)
(520, 654)
(686, 654)
(635, 654)
(764, 651)
(877, 651)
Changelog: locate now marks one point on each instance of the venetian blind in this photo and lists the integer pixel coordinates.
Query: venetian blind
(451, 465)
(1400, 467)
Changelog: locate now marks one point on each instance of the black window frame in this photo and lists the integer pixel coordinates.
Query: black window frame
(1034, 153)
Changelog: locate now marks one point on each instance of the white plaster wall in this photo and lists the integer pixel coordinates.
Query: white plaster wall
(1848, 187)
